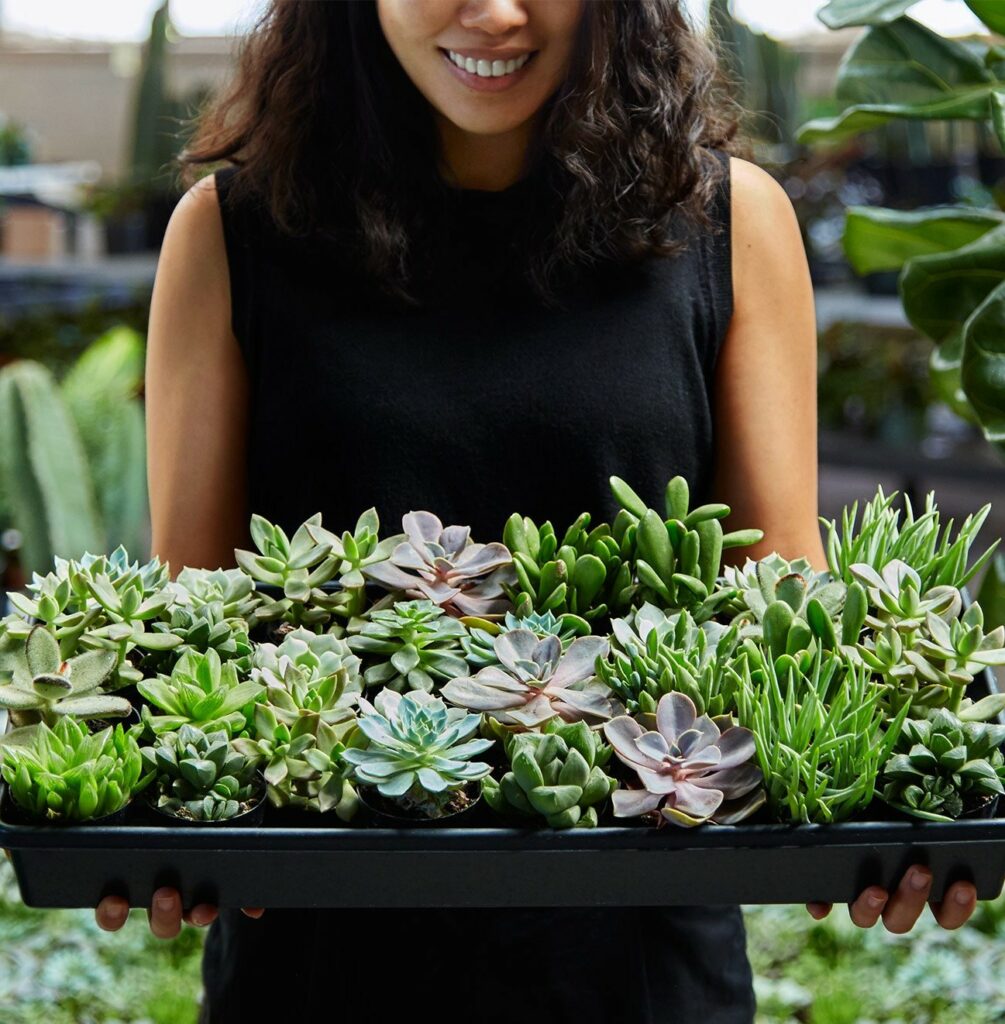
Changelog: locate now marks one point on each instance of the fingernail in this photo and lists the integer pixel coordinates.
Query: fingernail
(962, 897)
(919, 881)
(875, 901)
(199, 917)
(163, 901)
(115, 913)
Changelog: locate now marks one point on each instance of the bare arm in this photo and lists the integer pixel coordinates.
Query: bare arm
(196, 395)
(766, 379)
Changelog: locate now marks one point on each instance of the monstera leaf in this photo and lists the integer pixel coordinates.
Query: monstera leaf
(842, 13)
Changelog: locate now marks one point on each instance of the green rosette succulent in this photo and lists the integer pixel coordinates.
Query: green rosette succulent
(556, 774)
(586, 574)
(940, 763)
(51, 687)
(678, 553)
(412, 645)
(419, 751)
(201, 690)
(201, 776)
(67, 773)
(654, 653)
(479, 644)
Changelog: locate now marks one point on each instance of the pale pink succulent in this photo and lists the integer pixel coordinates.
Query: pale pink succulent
(691, 772)
(446, 567)
(534, 682)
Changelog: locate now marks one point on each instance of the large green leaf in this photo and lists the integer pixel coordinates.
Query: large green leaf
(991, 596)
(983, 368)
(878, 239)
(944, 374)
(904, 70)
(991, 12)
(941, 291)
(842, 13)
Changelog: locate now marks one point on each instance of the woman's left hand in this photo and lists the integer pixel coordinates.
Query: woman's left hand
(902, 909)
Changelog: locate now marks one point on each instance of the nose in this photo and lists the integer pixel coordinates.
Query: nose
(494, 16)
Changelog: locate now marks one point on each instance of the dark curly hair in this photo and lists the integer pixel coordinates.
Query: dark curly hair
(327, 129)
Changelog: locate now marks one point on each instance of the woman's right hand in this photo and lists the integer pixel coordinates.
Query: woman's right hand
(164, 913)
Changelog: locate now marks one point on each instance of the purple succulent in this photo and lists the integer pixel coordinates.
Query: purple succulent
(690, 770)
(445, 566)
(534, 681)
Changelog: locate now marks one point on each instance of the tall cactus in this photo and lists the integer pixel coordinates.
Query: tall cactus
(151, 143)
(46, 480)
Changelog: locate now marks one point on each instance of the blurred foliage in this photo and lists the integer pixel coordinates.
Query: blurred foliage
(15, 148)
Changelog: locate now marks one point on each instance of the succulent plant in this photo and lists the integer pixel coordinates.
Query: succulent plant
(654, 653)
(309, 675)
(939, 762)
(230, 592)
(200, 629)
(534, 681)
(677, 558)
(419, 750)
(587, 574)
(445, 566)
(882, 538)
(556, 774)
(410, 646)
(57, 687)
(201, 690)
(68, 773)
(693, 769)
(821, 737)
(896, 598)
(479, 643)
(199, 775)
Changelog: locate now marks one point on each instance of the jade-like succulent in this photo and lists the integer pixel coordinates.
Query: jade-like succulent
(556, 774)
(445, 566)
(654, 653)
(199, 775)
(534, 681)
(55, 687)
(479, 644)
(309, 674)
(941, 762)
(882, 538)
(678, 553)
(586, 574)
(692, 768)
(68, 773)
(412, 645)
(419, 751)
(201, 690)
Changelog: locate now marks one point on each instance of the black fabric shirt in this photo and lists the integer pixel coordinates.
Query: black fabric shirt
(481, 404)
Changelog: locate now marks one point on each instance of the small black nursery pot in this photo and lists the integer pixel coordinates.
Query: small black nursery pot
(15, 814)
(385, 813)
(252, 816)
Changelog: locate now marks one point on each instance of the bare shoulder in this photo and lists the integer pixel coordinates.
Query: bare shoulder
(758, 200)
(196, 216)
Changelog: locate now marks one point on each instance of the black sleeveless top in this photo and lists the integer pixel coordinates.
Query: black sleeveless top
(480, 404)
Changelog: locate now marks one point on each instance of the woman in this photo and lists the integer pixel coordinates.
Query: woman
(479, 290)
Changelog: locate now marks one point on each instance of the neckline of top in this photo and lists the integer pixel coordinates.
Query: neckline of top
(488, 195)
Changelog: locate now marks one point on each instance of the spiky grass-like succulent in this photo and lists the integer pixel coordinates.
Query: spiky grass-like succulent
(443, 565)
(201, 776)
(654, 653)
(941, 763)
(56, 687)
(479, 644)
(678, 552)
(413, 645)
(534, 682)
(201, 690)
(419, 751)
(822, 736)
(692, 768)
(556, 774)
(882, 538)
(68, 773)
(585, 574)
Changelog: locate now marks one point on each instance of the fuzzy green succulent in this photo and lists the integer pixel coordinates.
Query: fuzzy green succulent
(653, 653)
(556, 774)
(68, 773)
(52, 687)
(678, 552)
(586, 574)
(940, 763)
(479, 644)
(419, 751)
(200, 775)
(201, 690)
(412, 645)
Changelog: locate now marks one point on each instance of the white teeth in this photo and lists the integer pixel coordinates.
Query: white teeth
(488, 69)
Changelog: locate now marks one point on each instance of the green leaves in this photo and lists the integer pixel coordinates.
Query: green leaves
(842, 13)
